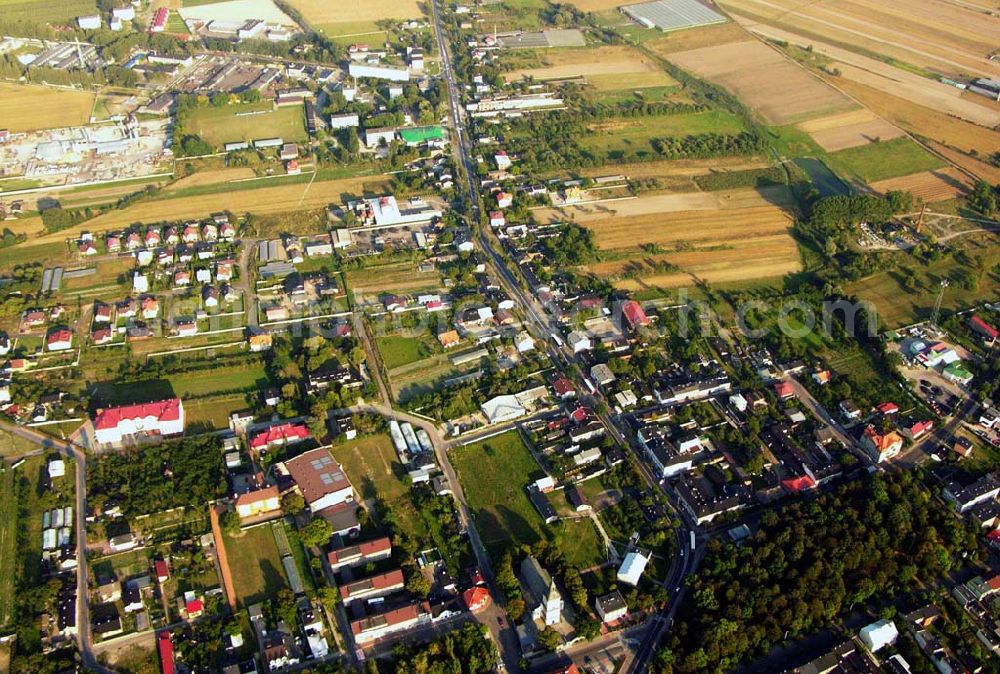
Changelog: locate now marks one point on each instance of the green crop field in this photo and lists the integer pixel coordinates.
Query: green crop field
(399, 350)
(887, 159)
(219, 126)
(8, 544)
(494, 474)
(634, 136)
(185, 385)
(45, 11)
(255, 565)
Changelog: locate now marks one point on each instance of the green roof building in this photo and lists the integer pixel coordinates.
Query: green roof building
(421, 134)
(957, 374)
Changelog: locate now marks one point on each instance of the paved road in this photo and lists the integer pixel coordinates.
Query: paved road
(818, 411)
(542, 325)
(84, 638)
(243, 283)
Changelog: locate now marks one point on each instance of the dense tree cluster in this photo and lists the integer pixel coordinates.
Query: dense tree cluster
(809, 563)
(176, 474)
(464, 651)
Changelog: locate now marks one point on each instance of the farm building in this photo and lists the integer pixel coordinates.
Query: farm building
(670, 15)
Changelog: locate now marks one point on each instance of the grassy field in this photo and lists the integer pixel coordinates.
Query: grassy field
(263, 197)
(374, 469)
(898, 306)
(14, 445)
(424, 375)
(400, 277)
(213, 412)
(8, 544)
(627, 136)
(187, 384)
(354, 16)
(219, 126)
(605, 68)
(255, 565)
(30, 107)
(210, 177)
(42, 11)
(399, 350)
(879, 161)
(494, 474)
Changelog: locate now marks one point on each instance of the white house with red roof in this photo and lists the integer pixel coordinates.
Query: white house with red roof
(60, 339)
(116, 424)
(280, 434)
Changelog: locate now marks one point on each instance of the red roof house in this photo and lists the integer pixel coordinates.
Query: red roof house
(634, 315)
(888, 408)
(980, 326)
(919, 429)
(166, 647)
(162, 572)
(476, 598)
(563, 387)
(784, 390)
(282, 434)
(797, 484)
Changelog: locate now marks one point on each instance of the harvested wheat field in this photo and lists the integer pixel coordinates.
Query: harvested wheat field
(738, 259)
(924, 121)
(325, 14)
(28, 107)
(264, 200)
(941, 36)
(611, 67)
(884, 77)
(980, 169)
(27, 226)
(931, 186)
(699, 228)
(781, 90)
(213, 177)
(849, 129)
(656, 205)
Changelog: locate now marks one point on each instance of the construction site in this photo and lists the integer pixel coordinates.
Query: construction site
(128, 148)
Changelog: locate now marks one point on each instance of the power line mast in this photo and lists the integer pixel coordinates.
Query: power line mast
(937, 304)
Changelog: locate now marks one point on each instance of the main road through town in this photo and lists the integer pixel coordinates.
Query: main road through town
(543, 326)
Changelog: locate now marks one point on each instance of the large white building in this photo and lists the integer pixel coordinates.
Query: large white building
(386, 211)
(379, 72)
(502, 408)
(878, 635)
(117, 424)
(633, 567)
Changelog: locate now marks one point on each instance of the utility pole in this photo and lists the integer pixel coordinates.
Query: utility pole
(937, 304)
